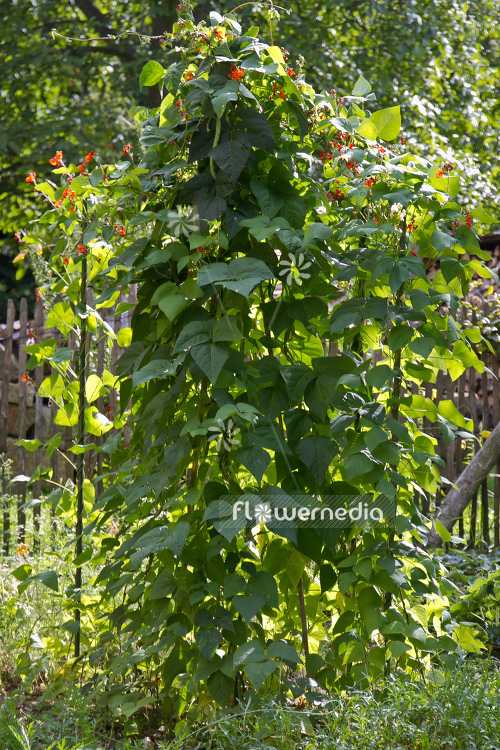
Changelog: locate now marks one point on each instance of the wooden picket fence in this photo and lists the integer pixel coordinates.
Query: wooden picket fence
(26, 415)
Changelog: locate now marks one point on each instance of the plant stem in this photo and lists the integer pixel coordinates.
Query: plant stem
(82, 357)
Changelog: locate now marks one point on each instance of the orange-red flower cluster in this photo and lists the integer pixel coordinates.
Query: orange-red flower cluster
(89, 157)
(81, 250)
(56, 161)
(127, 149)
(31, 177)
(439, 173)
(236, 73)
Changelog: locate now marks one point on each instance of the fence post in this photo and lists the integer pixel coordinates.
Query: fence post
(496, 420)
(4, 420)
(485, 424)
(23, 358)
(37, 487)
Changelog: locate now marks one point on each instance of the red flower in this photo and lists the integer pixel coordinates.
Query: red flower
(236, 73)
(65, 261)
(81, 167)
(189, 76)
(403, 141)
(25, 377)
(81, 250)
(66, 192)
(413, 252)
(31, 177)
(89, 157)
(127, 149)
(58, 204)
(439, 173)
(57, 159)
(219, 34)
(291, 72)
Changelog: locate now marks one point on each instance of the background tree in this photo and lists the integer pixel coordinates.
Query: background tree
(439, 59)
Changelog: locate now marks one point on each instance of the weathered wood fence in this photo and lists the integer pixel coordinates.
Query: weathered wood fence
(25, 415)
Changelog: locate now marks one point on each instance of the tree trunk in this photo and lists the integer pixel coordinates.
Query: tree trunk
(467, 484)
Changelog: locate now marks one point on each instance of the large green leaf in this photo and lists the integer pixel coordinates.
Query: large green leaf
(316, 453)
(151, 73)
(231, 157)
(387, 122)
(248, 606)
(210, 358)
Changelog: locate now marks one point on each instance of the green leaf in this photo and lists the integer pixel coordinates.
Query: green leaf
(22, 572)
(30, 445)
(387, 122)
(220, 687)
(226, 329)
(316, 453)
(210, 358)
(248, 606)
(416, 634)
(399, 337)
(256, 128)
(93, 388)
(441, 240)
(282, 650)
(151, 74)
(249, 653)
(228, 94)
(231, 157)
(255, 459)
(208, 640)
(257, 673)
(361, 87)
(269, 202)
(357, 465)
(442, 531)
(398, 648)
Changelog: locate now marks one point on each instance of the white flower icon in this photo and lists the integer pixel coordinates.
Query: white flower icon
(183, 221)
(263, 513)
(294, 269)
(225, 435)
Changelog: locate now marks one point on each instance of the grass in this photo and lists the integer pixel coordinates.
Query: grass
(457, 710)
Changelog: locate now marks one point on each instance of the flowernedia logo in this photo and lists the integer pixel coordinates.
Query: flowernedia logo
(278, 511)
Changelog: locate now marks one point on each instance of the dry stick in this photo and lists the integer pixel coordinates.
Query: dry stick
(80, 464)
(427, 425)
(467, 485)
(496, 420)
(485, 520)
(459, 453)
(4, 420)
(101, 350)
(473, 415)
(37, 487)
(305, 636)
(23, 358)
(54, 459)
(441, 444)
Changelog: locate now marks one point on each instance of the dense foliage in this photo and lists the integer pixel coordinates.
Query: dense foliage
(280, 239)
(441, 67)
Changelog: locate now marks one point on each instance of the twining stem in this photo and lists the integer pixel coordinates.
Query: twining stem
(82, 357)
(216, 143)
